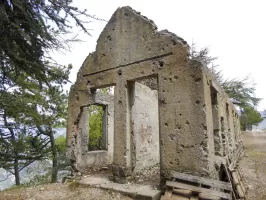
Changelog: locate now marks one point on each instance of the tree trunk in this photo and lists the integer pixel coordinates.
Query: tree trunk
(16, 172)
(244, 127)
(54, 157)
(16, 161)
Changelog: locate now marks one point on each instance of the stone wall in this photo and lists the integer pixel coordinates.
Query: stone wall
(198, 125)
(78, 147)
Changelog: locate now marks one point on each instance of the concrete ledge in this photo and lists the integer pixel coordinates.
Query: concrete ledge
(136, 191)
(96, 158)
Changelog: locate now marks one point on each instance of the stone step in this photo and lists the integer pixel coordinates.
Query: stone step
(137, 191)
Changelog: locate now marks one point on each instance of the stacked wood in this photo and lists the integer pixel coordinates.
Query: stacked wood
(241, 189)
(235, 177)
(189, 187)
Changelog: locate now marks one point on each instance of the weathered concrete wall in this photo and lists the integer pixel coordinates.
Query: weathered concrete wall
(145, 119)
(196, 130)
(78, 150)
(223, 120)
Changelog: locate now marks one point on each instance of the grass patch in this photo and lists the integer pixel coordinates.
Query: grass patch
(74, 185)
(15, 187)
(256, 154)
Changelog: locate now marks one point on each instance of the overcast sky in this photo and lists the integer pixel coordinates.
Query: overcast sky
(234, 30)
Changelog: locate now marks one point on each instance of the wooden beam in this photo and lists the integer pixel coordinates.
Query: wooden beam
(199, 190)
(228, 174)
(204, 181)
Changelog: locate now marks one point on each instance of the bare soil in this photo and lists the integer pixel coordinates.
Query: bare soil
(68, 191)
(253, 164)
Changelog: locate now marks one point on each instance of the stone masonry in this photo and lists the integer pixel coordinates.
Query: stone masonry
(185, 122)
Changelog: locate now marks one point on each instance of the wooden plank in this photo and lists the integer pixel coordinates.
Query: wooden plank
(194, 198)
(183, 192)
(180, 197)
(241, 183)
(199, 189)
(175, 197)
(204, 181)
(208, 197)
(235, 158)
(243, 179)
(234, 175)
(167, 195)
(238, 175)
(230, 179)
(168, 192)
(243, 187)
(240, 191)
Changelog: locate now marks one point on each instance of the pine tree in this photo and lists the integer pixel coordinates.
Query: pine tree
(240, 91)
(27, 104)
(19, 147)
(249, 117)
(31, 93)
(31, 29)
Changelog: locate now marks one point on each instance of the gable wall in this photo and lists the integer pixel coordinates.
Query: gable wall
(129, 49)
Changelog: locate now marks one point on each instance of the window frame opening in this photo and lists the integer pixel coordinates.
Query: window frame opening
(97, 127)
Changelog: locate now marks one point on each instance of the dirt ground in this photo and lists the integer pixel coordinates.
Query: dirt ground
(60, 192)
(253, 164)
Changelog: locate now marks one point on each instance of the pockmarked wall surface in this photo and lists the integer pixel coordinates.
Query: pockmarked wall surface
(198, 127)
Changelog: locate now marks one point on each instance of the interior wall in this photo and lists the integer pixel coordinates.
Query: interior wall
(145, 127)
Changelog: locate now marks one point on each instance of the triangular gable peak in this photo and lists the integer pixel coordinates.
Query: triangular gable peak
(127, 38)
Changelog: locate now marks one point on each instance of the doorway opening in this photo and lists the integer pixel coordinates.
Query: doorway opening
(144, 128)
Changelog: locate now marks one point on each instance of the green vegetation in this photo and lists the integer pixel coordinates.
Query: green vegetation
(74, 185)
(32, 99)
(241, 91)
(242, 94)
(249, 117)
(96, 113)
(60, 143)
(30, 112)
(95, 127)
(20, 148)
(32, 30)
(38, 180)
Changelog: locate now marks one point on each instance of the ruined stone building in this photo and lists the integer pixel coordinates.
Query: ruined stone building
(165, 110)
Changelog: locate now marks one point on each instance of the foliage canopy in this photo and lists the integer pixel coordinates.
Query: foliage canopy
(240, 91)
(31, 29)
